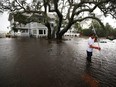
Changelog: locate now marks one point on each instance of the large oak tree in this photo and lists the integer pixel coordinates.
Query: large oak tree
(68, 12)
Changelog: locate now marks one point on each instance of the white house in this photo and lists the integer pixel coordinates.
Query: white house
(32, 29)
(38, 29)
(71, 32)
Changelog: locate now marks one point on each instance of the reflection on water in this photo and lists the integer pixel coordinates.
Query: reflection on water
(87, 77)
(33, 62)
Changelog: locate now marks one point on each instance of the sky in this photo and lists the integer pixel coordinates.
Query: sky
(107, 19)
(111, 21)
(4, 23)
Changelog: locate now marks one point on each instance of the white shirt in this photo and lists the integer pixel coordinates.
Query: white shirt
(90, 42)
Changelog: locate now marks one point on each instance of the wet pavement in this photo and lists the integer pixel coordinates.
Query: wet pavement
(33, 62)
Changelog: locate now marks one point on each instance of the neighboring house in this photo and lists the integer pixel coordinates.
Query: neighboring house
(71, 32)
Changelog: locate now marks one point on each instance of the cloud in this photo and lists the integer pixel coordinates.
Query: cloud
(4, 23)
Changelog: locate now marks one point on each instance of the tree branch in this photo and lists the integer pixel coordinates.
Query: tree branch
(89, 17)
(20, 4)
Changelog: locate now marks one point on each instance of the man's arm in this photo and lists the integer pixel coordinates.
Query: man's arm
(95, 47)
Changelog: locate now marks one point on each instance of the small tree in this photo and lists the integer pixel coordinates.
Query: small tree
(78, 27)
(109, 29)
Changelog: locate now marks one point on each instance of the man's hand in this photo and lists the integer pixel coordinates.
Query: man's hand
(96, 48)
(99, 48)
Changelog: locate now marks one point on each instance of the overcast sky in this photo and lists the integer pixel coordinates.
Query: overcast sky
(4, 23)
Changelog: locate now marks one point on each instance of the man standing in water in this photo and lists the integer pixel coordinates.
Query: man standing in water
(90, 46)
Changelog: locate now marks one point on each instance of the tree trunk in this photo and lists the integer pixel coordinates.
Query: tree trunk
(62, 32)
(49, 30)
(59, 37)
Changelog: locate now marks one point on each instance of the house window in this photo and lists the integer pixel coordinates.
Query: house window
(34, 31)
(26, 31)
(44, 31)
(40, 31)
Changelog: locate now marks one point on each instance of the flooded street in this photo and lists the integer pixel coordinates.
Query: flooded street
(33, 62)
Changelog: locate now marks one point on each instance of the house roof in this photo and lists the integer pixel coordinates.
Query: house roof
(41, 25)
(52, 16)
(35, 24)
(32, 25)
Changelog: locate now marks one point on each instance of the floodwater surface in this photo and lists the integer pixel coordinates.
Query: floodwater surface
(30, 62)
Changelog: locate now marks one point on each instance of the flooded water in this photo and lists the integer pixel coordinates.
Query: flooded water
(33, 62)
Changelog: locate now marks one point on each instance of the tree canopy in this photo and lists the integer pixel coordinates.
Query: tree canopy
(66, 11)
(108, 31)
